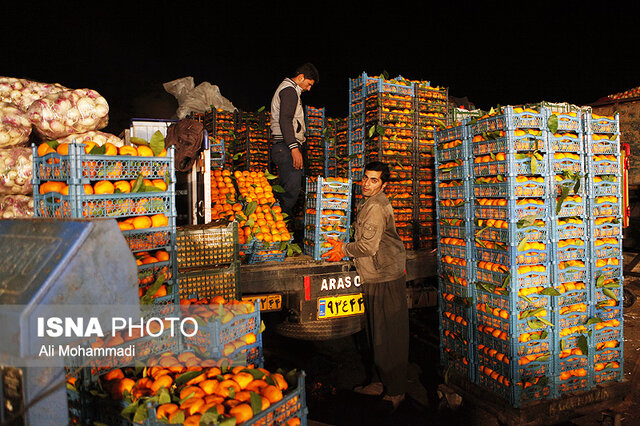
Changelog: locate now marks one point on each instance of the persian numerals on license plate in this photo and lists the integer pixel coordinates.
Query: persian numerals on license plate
(340, 306)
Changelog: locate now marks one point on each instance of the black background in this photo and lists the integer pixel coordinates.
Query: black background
(509, 53)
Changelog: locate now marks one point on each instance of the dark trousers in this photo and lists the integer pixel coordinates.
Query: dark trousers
(387, 329)
(290, 178)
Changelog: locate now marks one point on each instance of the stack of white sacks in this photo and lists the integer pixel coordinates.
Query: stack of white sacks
(54, 112)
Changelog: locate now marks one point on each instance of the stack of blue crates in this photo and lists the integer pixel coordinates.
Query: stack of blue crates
(315, 144)
(569, 251)
(78, 169)
(546, 238)
(330, 147)
(327, 214)
(455, 251)
(604, 216)
(512, 258)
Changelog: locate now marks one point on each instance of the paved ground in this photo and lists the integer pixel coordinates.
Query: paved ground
(334, 367)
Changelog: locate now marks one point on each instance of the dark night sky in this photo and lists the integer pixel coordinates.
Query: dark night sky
(525, 52)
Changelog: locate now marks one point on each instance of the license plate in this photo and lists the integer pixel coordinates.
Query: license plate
(268, 302)
(340, 306)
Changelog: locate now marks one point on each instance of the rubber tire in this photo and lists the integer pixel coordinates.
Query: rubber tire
(321, 330)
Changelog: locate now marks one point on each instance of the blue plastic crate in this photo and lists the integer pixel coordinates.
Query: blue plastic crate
(513, 234)
(79, 167)
(564, 273)
(558, 182)
(321, 202)
(603, 248)
(515, 209)
(460, 251)
(567, 298)
(215, 334)
(566, 142)
(511, 187)
(605, 227)
(602, 144)
(459, 152)
(566, 121)
(520, 313)
(515, 349)
(261, 253)
(569, 252)
(566, 228)
(602, 124)
(512, 166)
(326, 185)
(449, 171)
(510, 141)
(572, 205)
(515, 278)
(609, 373)
(510, 120)
(460, 190)
(452, 212)
(566, 162)
(511, 256)
(516, 393)
(457, 319)
(111, 206)
(462, 232)
(451, 134)
(150, 238)
(517, 369)
(599, 187)
(604, 164)
(606, 313)
(601, 206)
(574, 383)
(607, 271)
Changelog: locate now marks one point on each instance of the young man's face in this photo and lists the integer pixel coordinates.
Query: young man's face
(371, 183)
(304, 83)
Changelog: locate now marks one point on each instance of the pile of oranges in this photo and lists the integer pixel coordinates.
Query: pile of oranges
(200, 389)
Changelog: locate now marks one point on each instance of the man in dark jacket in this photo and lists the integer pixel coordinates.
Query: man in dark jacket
(288, 132)
(380, 260)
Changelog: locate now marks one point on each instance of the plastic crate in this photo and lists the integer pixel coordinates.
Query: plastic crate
(463, 190)
(145, 127)
(211, 244)
(323, 185)
(566, 121)
(513, 210)
(566, 142)
(570, 206)
(293, 404)
(516, 394)
(601, 206)
(598, 228)
(510, 120)
(79, 167)
(456, 288)
(566, 228)
(453, 212)
(513, 278)
(210, 282)
(600, 144)
(462, 232)
(511, 256)
(601, 249)
(603, 187)
(570, 252)
(150, 238)
(602, 124)
(513, 234)
(214, 334)
(510, 167)
(607, 164)
(609, 374)
(448, 171)
(451, 134)
(509, 143)
(267, 252)
(459, 152)
(513, 370)
(511, 187)
(569, 274)
(572, 297)
(560, 162)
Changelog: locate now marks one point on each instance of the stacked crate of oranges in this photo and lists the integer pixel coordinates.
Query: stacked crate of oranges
(604, 218)
(314, 145)
(455, 251)
(131, 184)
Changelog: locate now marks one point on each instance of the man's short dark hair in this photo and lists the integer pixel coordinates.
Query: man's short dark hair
(309, 71)
(379, 166)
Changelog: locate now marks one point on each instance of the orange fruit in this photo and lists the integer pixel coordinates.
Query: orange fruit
(144, 151)
(122, 186)
(141, 222)
(165, 410)
(113, 375)
(103, 187)
(88, 146)
(272, 393)
(193, 420)
(163, 381)
(160, 184)
(159, 220)
(128, 150)
(242, 412)
(243, 379)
